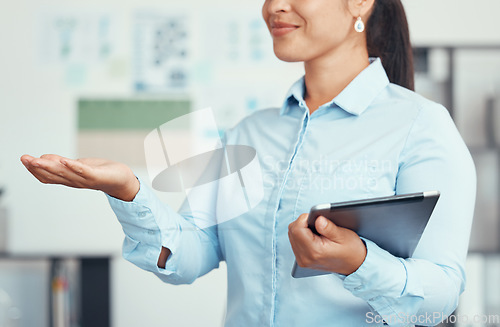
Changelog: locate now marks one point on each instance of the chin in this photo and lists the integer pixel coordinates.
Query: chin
(288, 56)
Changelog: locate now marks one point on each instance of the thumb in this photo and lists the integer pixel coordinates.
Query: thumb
(327, 229)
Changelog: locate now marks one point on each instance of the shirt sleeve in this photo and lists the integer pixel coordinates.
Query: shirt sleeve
(425, 288)
(149, 224)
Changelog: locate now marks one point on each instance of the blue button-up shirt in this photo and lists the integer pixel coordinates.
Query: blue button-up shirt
(374, 139)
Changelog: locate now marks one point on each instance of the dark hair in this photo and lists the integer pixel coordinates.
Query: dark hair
(388, 37)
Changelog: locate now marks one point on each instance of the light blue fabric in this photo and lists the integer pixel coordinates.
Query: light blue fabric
(374, 139)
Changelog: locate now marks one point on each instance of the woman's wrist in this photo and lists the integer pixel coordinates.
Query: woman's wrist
(162, 259)
(125, 192)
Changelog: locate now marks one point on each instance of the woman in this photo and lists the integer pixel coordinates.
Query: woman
(344, 132)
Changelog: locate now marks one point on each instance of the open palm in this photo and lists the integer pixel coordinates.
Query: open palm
(113, 178)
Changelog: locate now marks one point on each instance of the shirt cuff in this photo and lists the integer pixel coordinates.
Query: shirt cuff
(380, 278)
(148, 225)
(136, 215)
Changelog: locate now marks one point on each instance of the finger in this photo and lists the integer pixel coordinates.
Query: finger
(76, 166)
(305, 245)
(30, 162)
(47, 177)
(48, 163)
(302, 243)
(299, 232)
(55, 172)
(51, 157)
(300, 222)
(26, 159)
(328, 229)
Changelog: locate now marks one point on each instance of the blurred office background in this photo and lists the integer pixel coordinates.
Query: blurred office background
(93, 78)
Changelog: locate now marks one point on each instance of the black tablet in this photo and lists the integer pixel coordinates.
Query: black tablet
(395, 223)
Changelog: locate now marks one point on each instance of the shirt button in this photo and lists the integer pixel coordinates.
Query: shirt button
(358, 288)
(142, 214)
(151, 232)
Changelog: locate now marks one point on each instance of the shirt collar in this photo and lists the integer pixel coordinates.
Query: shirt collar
(296, 92)
(369, 83)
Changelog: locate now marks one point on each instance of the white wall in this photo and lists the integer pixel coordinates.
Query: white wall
(453, 22)
(37, 115)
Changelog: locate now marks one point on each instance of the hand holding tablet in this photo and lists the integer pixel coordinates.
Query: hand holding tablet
(395, 223)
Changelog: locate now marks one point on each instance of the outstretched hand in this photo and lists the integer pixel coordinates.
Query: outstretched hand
(337, 249)
(113, 178)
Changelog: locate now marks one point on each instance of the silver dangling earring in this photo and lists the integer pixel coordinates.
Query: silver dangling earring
(359, 26)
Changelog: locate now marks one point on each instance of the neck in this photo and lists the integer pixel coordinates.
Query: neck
(328, 75)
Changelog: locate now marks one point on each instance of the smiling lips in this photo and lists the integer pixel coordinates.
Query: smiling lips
(280, 29)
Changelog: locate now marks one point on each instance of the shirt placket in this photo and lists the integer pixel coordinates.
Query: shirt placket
(291, 162)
